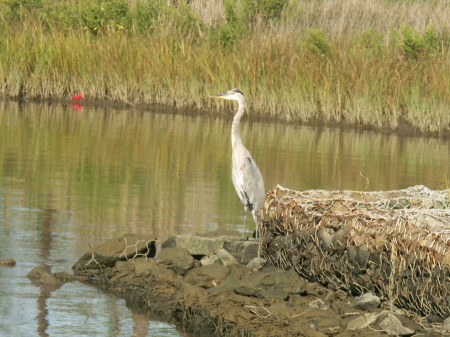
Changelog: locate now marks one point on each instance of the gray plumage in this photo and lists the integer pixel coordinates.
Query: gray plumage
(247, 178)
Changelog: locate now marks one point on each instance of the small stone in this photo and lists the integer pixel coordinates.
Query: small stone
(126, 265)
(242, 251)
(289, 281)
(142, 267)
(362, 322)
(318, 304)
(446, 324)
(392, 326)
(182, 265)
(257, 263)
(434, 319)
(170, 255)
(245, 291)
(196, 245)
(149, 267)
(40, 272)
(367, 301)
(314, 333)
(51, 280)
(42, 275)
(225, 257)
(208, 276)
(208, 260)
(328, 324)
(273, 294)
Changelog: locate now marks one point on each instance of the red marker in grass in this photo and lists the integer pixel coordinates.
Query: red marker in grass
(76, 97)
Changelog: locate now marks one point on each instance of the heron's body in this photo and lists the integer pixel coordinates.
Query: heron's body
(247, 178)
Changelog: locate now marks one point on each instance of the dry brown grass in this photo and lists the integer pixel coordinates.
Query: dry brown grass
(336, 61)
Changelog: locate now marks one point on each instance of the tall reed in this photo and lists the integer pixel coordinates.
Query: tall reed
(374, 63)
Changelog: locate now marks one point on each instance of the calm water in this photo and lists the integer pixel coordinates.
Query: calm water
(70, 178)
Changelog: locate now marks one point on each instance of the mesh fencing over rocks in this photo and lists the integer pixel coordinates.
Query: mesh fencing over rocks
(394, 244)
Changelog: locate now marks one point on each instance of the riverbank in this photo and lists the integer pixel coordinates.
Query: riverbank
(216, 285)
(296, 61)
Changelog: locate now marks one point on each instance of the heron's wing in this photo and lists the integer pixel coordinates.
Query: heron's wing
(247, 180)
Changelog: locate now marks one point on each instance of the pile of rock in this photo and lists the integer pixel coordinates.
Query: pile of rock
(218, 286)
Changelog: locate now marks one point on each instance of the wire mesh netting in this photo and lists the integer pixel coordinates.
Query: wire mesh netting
(125, 248)
(394, 244)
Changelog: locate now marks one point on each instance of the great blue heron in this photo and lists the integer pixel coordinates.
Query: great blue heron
(247, 178)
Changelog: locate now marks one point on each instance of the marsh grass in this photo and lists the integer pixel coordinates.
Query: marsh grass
(374, 63)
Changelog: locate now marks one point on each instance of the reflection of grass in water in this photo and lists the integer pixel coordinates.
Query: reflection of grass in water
(125, 170)
(374, 70)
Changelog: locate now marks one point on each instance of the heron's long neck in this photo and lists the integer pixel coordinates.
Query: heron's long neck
(235, 132)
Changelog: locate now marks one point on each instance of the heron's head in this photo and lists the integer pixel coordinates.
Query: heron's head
(233, 94)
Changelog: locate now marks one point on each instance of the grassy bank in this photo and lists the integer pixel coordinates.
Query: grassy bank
(376, 63)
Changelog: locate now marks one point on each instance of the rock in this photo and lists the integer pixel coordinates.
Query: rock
(196, 245)
(298, 300)
(367, 301)
(66, 277)
(148, 268)
(42, 275)
(314, 333)
(210, 259)
(446, 324)
(256, 263)
(51, 280)
(362, 322)
(207, 276)
(246, 291)
(169, 256)
(178, 259)
(344, 308)
(434, 319)
(328, 324)
(225, 257)
(272, 294)
(127, 265)
(183, 265)
(126, 247)
(188, 290)
(8, 262)
(142, 266)
(392, 326)
(289, 281)
(266, 302)
(243, 251)
(315, 289)
(39, 272)
(318, 304)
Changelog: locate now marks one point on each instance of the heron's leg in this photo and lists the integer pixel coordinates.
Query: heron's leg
(245, 219)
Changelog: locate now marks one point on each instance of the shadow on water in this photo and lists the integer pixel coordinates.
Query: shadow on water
(74, 177)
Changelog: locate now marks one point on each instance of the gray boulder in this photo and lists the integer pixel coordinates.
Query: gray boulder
(196, 245)
(393, 326)
(367, 301)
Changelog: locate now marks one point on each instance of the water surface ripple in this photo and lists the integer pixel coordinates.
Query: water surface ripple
(70, 178)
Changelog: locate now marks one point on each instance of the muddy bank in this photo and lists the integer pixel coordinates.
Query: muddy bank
(217, 286)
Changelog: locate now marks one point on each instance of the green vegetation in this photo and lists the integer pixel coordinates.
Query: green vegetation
(375, 63)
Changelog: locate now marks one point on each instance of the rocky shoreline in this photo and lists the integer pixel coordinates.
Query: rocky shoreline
(216, 285)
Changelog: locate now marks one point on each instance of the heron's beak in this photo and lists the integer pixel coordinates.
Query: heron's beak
(224, 96)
